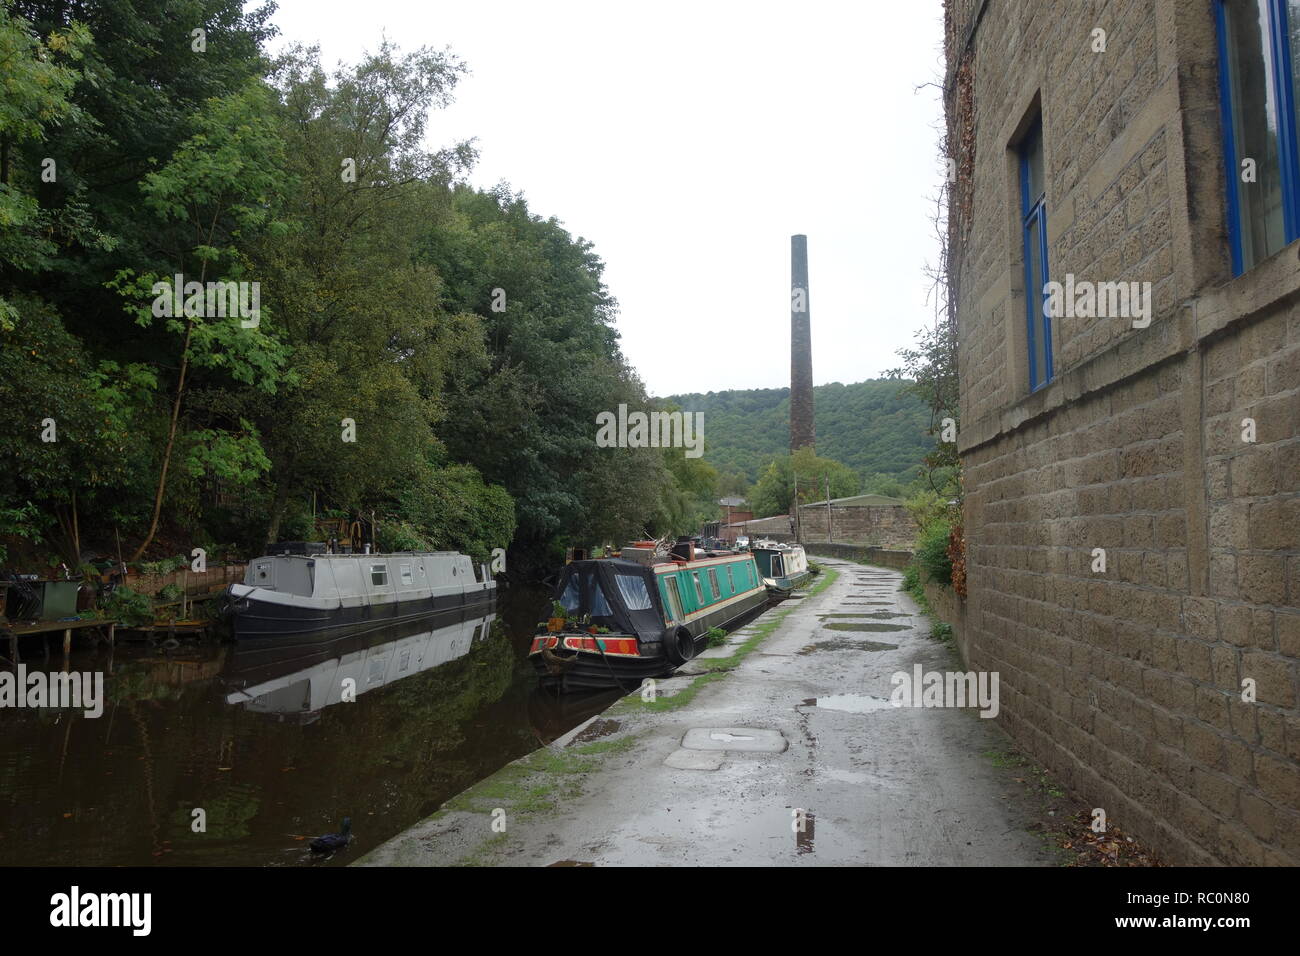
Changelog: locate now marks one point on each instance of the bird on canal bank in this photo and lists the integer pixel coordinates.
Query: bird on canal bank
(333, 841)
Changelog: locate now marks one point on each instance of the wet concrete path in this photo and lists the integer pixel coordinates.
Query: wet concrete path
(793, 758)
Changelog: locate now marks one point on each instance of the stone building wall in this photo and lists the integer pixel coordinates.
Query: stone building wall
(874, 526)
(1127, 683)
(879, 526)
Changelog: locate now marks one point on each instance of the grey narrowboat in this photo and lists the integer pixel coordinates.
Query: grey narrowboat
(325, 595)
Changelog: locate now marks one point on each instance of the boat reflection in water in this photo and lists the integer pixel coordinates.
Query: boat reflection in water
(300, 681)
(249, 732)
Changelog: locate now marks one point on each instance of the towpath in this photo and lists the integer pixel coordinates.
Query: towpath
(792, 757)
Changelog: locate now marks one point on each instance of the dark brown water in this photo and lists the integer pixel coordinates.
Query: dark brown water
(259, 739)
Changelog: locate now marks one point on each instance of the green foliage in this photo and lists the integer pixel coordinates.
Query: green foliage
(396, 535)
(127, 607)
(474, 426)
(868, 426)
(38, 82)
(926, 507)
(931, 551)
(887, 485)
(911, 578)
(165, 566)
(929, 373)
(716, 636)
(23, 521)
(774, 493)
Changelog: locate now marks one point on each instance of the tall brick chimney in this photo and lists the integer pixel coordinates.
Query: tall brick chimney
(802, 432)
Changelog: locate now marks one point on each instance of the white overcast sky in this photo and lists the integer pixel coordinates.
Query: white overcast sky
(688, 142)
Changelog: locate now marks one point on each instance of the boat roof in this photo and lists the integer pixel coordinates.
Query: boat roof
(373, 554)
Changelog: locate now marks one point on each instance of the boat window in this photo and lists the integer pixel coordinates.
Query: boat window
(406, 575)
(699, 588)
(379, 575)
(731, 580)
(570, 598)
(599, 606)
(634, 592)
(713, 580)
(776, 567)
(674, 599)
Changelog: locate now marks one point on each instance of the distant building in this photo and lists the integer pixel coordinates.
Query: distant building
(734, 513)
(866, 520)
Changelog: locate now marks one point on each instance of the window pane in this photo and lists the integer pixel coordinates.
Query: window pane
(1032, 150)
(1254, 128)
(599, 606)
(674, 600)
(571, 599)
(1037, 239)
(634, 592)
(1035, 296)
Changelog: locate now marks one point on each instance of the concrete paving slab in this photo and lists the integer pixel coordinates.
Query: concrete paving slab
(740, 739)
(668, 686)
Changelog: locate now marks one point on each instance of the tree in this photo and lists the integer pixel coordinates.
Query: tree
(38, 80)
(774, 493)
(219, 188)
(372, 342)
(69, 430)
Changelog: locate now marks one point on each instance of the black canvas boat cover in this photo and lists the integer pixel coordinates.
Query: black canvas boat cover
(620, 595)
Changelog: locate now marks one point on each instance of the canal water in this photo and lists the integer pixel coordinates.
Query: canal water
(260, 739)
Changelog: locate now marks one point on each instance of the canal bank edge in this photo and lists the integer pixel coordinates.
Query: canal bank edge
(473, 827)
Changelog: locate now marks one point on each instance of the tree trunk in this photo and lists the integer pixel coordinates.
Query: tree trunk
(171, 442)
(69, 533)
(278, 508)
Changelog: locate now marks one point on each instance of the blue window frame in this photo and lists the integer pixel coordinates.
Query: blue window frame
(1033, 211)
(1257, 99)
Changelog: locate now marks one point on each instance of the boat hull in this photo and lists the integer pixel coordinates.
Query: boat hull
(781, 588)
(576, 671)
(252, 615)
(584, 670)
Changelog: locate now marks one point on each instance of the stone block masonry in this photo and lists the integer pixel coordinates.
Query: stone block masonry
(1128, 682)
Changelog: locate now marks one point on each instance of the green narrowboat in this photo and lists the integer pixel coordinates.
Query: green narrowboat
(626, 620)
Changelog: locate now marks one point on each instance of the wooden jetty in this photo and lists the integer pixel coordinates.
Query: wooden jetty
(99, 629)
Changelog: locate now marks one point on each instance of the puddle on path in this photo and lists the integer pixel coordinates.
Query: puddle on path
(599, 728)
(860, 614)
(849, 703)
(843, 644)
(864, 626)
